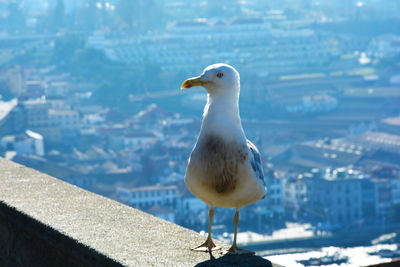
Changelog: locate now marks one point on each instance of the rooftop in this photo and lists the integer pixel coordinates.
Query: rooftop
(6, 107)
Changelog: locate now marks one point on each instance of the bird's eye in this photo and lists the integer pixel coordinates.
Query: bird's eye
(220, 74)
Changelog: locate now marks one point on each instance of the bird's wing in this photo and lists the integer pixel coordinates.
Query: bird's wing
(255, 162)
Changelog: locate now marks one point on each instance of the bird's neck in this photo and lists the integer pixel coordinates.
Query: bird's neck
(221, 115)
(227, 105)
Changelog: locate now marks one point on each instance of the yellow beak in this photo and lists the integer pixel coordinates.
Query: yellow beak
(195, 81)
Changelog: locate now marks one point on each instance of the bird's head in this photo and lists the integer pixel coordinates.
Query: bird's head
(217, 79)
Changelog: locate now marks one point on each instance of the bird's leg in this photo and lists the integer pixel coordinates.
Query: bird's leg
(234, 250)
(208, 245)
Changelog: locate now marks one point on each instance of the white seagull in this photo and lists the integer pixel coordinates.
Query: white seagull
(224, 168)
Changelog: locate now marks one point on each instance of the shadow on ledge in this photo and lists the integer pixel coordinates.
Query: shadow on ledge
(231, 260)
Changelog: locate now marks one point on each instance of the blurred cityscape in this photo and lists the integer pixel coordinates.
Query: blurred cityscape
(89, 93)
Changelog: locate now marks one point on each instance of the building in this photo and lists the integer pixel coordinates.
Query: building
(313, 104)
(27, 143)
(12, 119)
(390, 125)
(67, 120)
(252, 43)
(12, 78)
(139, 139)
(384, 46)
(274, 189)
(380, 194)
(148, 196)
(294, 192)
(57, 89)
(319, 154)
(51, 118)
(35, 89)
(270, 210)
(37, 112)
(335, 196)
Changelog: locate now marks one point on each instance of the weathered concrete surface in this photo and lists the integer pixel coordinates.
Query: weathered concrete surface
(47, 222)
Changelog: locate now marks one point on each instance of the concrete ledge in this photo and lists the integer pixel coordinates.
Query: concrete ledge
(47, 222)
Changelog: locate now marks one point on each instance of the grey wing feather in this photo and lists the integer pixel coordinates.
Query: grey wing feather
(255, 161)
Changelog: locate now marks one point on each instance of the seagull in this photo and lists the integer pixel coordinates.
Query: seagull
(224, 168)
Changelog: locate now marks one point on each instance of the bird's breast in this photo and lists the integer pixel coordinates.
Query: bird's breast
(217, 163)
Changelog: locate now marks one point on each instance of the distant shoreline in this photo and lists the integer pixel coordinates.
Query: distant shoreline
(361, 237)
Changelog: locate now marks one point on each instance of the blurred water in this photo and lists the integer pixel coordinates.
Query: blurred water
(358, 256)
